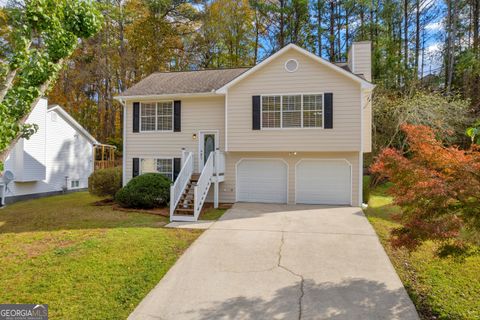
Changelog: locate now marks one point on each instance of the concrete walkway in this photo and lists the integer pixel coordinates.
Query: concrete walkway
(282, 262)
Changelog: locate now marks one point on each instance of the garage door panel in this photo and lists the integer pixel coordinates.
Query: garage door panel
(323, 182)
(262, 181)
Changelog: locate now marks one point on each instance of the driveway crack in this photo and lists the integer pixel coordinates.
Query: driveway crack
(302, 280)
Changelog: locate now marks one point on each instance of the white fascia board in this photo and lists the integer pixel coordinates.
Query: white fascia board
(168, 96)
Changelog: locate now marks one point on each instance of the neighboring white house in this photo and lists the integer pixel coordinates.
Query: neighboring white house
(58, 157)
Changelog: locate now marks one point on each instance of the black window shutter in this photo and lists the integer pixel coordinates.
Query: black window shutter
(256, 112)
(136, 116)
(328, 111)
(177, 166)
(136, 167)
(177, 116)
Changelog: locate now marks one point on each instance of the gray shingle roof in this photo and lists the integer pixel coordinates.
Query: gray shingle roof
(202, 81)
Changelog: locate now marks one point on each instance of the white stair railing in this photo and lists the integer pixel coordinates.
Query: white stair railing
(203, 184)
(181, 182)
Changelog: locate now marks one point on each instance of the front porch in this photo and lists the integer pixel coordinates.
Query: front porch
(190, 190)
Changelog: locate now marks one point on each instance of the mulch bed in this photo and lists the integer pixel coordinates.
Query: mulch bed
(103, 203)
(164, 212)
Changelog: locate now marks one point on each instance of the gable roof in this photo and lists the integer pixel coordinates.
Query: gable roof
(183, 82)
(341, 69)
(72, 122)
(216, 81)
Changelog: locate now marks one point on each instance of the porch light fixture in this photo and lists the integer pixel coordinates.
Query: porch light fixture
(292, 153)
(194, 136)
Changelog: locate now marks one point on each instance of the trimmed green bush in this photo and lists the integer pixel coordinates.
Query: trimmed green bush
(146, 191)
(105, 182)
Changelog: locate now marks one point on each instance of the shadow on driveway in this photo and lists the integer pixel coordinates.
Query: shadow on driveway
(350, 299)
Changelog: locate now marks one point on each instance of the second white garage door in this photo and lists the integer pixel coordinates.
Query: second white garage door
(262, 180)
(323, 182)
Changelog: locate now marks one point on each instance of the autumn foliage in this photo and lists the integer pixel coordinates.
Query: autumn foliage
(437, 187)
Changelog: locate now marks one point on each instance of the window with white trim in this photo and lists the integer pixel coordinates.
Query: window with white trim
(271, 111)
(292, 111)
(156, 116)
(312, 111)
(74, 184)
(157, 165)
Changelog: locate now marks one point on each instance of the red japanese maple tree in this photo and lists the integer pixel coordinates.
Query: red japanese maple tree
(437, 187)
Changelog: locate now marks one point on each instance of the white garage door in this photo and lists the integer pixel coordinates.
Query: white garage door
(323, 182)
(262, 181)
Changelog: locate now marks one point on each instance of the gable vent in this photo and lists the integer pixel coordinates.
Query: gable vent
(291, 65)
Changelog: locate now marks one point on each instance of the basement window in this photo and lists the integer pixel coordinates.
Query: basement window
(157, 165)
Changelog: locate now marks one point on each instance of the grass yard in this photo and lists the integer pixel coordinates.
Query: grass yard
(84, 261)
(445, 287)
(212, 214)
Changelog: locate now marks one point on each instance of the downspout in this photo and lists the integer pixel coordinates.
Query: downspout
(360, 155)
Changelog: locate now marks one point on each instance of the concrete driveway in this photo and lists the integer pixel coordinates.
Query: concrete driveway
(263, 261)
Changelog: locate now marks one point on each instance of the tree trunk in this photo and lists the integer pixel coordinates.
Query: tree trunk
(405, 34)
(281, 39)
(7, 85)
(417, 36)
(332, 32)
(319, 26)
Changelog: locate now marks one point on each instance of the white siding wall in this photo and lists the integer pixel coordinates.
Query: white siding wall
(27, 160)
(69, 154)
(205, 113)
(311, 77)
(362, 59)
(64, 155)
(367, 122)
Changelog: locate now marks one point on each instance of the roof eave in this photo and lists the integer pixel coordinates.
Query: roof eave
(168, 96)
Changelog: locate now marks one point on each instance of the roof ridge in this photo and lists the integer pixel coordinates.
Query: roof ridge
(211, 69)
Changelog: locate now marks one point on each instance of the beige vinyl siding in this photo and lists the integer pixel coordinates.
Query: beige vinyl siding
(198, 113)
(367, 122)
(311, 77)
(227, 188)
(362, 59)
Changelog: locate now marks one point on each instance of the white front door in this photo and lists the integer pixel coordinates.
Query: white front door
(208, 142)
(323, 181)
(262, 180)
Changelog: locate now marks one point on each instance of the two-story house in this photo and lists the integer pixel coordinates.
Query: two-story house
(292, 129)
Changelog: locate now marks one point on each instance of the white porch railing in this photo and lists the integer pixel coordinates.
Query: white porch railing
(203, 184)
(183, 178)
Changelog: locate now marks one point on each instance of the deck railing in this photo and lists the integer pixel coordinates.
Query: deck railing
(203, 184)
(180, 184)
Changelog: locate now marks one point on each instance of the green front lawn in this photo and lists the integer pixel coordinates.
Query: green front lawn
(84, 261)
(446, 287)
(212, 214)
